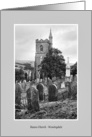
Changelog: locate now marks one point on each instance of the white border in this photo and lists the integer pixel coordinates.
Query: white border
(77, 77)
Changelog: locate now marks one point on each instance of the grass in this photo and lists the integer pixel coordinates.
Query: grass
(66, 109)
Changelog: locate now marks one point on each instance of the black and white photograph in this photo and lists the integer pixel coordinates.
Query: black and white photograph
(46, 71)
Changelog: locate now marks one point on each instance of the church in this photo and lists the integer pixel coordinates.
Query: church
(42, 48)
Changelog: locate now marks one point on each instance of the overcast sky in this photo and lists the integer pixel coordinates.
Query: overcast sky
(64, 38)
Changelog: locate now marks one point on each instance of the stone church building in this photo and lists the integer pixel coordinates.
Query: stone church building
(42, 48)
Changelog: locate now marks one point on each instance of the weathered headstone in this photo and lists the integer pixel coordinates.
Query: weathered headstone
(29, 103)
(45, 93)
(17, 94)
(34, 98)
(37, 80)
(40, 88)
(71, 78)
(24, 99)
(63, 84)
(68, 88)
(52, 92)
(23, 85)
(45, 81)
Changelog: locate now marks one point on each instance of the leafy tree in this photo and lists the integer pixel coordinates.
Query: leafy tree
(74, 69)
(53, 64)
(28, 67)
(19, 74)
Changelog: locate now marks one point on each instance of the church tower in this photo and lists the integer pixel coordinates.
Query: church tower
(42, 48)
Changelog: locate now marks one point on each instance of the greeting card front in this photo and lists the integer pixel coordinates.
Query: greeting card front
(45, 73)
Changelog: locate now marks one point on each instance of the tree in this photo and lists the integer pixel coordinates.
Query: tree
(53, 64)
(19, 74)
(28, 66)
(74, 69)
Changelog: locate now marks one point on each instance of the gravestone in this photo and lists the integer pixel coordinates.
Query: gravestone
(23, 93)
(52, 92)
(34, 98)
(71, 78)
(23, 85)
(24, 99)
(45, 93)
(17, 94)
(40, 88)
(37, 80)
(63, 84)
(45, 81)
(68, 88)
(29, 103)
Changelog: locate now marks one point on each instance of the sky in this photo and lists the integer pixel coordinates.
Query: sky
(65, 38)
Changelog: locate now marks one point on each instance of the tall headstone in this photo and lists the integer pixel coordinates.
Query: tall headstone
(40, 88)
(35, 98)
(23, 93)
(52, 92)
(18, 94)
(45, 81)
(29, 103)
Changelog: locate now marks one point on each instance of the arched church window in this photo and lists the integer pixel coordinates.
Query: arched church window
(41, 48)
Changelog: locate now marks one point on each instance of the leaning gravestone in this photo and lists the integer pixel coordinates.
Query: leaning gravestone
(35, 98)
(52, 92)
(40, 88)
